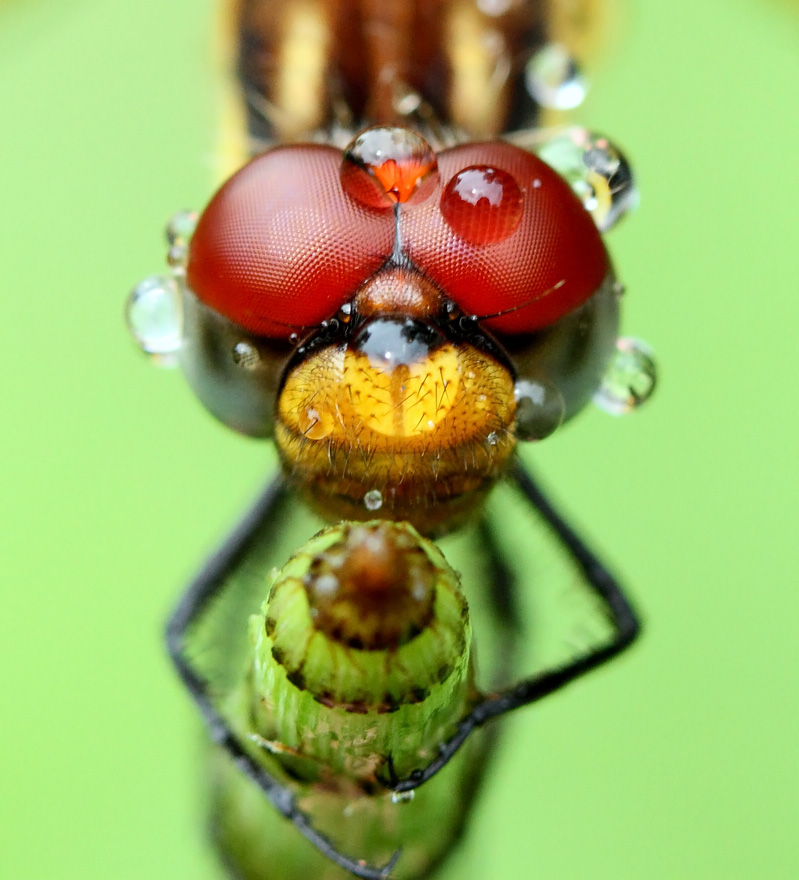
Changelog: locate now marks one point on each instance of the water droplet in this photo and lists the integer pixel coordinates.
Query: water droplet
(176, 258)
(387, 165)
(373, 499)
(539, 409)
(482, 205)
(597, 171)
(154, 316)
(611, 178)
(630, 379)
(245, 355)
(180, 227)
(402, 797)
(553, 79)
(492, 439)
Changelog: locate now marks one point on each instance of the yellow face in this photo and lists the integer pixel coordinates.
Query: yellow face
(390, 425)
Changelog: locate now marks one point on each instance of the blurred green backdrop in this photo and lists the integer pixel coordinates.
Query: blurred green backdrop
(680, 761)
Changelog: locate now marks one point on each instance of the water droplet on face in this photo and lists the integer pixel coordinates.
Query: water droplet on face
(392, 342)
(482, 205)
(630, 379)
(387, 165)
(402, 797)
(597, 171)
(245, 355)
(373, 499)
(539, 409)
(553, 79)
(180, 227)
(154, 316)
(492, 439)
(315, 425)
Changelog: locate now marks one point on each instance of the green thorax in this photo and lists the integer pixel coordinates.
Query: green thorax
(360, 669)
(362, 652)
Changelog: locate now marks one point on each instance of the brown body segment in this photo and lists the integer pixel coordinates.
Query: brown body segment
(313, 65)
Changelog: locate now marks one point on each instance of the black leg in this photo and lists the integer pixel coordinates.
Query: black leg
(504, 606)
(189, 609)
(616, 606)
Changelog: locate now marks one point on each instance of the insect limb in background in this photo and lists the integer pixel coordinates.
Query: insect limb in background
(192, 603)
(625, 629)
(266, 518)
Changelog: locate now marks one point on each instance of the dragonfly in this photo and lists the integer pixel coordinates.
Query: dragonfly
(405, 283)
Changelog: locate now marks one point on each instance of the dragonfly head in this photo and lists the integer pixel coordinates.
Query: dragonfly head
(399, 412)
(396, 318)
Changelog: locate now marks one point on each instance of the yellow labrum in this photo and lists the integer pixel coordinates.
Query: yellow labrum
(397, 428)
(409, 401)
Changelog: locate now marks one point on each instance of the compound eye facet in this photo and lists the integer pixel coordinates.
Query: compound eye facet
(507, 239)
(281, 247)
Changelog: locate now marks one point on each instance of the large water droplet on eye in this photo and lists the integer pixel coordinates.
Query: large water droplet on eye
(387, 165)
(539, 409)
(154, 317)
(482, 205)
(630, 379)
(597, 172)
(553, 79)
(373, 499)
(180, 227)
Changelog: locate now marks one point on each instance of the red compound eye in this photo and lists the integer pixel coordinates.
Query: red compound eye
(526, 259)
(281, 247)
(482, 205)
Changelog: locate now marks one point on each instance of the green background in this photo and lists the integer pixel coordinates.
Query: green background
(680, 761)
